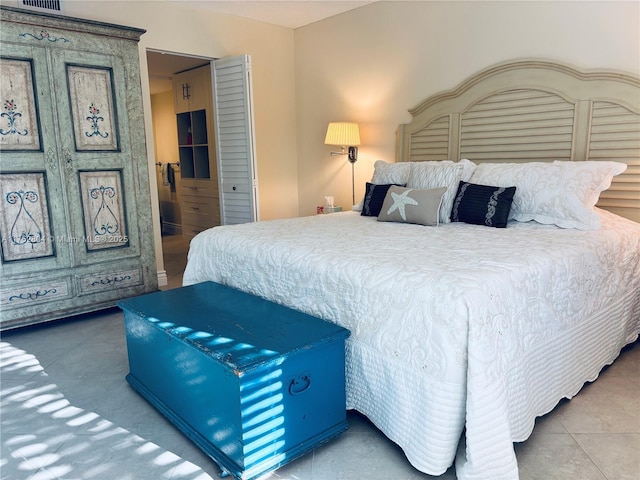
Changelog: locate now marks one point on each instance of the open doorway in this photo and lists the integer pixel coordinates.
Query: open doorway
(163, 67)
(206, 175)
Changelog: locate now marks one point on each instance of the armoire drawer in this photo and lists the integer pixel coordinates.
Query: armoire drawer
(35, 292)
(112, 280)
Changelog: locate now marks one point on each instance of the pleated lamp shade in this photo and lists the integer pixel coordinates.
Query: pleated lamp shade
(343, 134)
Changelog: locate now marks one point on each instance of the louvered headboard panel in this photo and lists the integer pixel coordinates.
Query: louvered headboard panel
(432, 142)
(520, 125)
(615, 135)
(535, 110)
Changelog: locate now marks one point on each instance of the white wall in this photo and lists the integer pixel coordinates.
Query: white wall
(372, 64)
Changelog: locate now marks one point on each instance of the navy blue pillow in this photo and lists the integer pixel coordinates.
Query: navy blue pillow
(482, 204)
(374, 198)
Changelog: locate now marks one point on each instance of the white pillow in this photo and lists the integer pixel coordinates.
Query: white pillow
(386, 173)
(468, 167)
(561, 193)
(428, 175)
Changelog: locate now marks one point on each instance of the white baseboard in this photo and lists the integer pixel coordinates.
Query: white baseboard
(163, 280)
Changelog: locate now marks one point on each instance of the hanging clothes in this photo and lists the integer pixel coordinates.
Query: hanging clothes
(165, 173)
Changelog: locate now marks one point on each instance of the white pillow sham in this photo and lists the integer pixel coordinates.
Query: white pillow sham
(398, 173)
(387, 173)
(468, 167)
(428, 175)
(561, 193)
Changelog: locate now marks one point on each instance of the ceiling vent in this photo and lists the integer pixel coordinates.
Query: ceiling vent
(41, 5)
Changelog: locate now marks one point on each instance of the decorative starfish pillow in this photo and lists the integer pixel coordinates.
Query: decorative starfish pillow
(409, 205)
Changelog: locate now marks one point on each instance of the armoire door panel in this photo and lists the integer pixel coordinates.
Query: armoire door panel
(29, 132)
(33, 229)
(99, 167)
(93, 109)
(25, 225)
(94, 101)
(103, 212)
(19, 129)
(103, 209)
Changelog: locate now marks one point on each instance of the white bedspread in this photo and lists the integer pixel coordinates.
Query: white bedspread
(451, 327)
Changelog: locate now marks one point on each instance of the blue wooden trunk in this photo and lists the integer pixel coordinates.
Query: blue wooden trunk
(252, 383)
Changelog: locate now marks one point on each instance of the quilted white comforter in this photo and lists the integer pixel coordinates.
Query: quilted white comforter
(452, 327)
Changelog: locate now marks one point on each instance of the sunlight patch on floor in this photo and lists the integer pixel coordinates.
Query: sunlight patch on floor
(69, 441)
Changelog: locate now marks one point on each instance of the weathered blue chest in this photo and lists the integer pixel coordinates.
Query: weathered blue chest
(252, 383)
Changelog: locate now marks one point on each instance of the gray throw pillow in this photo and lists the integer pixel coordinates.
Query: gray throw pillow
(409, 205)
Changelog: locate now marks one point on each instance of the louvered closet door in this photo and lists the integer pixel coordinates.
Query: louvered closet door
(235, 140)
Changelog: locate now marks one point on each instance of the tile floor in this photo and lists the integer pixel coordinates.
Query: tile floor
(67, 413)
(175, 248)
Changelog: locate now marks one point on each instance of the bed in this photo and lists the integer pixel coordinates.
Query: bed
(462, 334)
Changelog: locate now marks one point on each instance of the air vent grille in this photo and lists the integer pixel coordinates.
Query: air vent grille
(52, 5)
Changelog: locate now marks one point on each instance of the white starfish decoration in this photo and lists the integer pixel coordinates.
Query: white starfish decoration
(400, 201)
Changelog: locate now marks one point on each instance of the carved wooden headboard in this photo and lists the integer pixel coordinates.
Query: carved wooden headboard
(535, 110)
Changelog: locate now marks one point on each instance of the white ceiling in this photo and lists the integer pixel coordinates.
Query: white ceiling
(286, 13)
